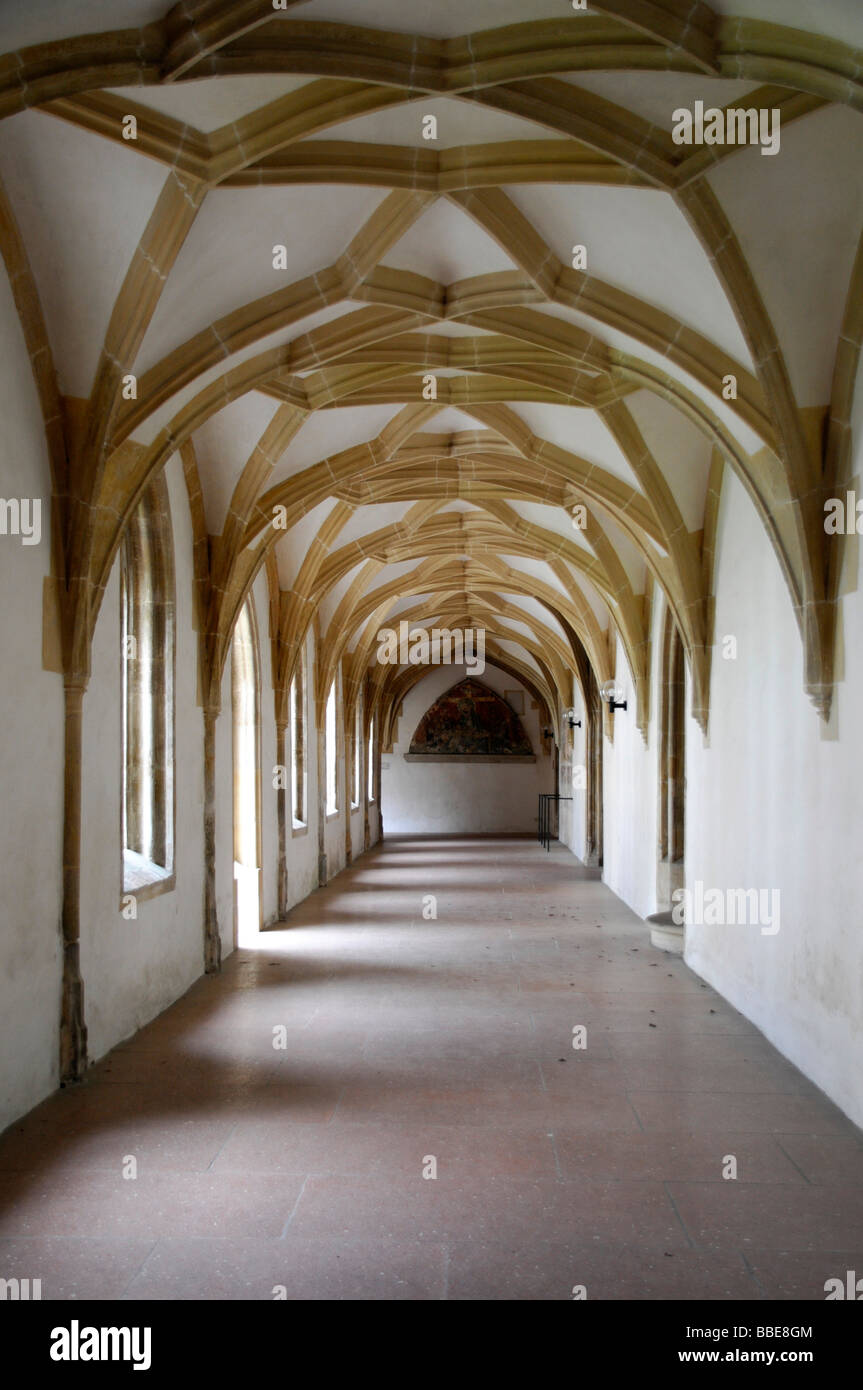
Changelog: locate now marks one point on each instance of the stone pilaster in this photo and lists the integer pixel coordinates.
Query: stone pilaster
(73, 1029)
(212, 940)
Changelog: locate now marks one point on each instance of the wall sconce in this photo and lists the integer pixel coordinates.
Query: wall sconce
(548, 733)
(610, 692)
(569, 716)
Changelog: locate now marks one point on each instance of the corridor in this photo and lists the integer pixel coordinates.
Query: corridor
(383, 1100)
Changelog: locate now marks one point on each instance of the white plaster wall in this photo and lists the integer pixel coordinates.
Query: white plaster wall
(334, 826)
(302, 845)
(774, 802)
(302, 857)
(357, 831)
(225, 889)
(453, 798)
(269, 795)
(357, 822)
(269, 825)
(375, 813)
(133, 969)
(335, 839)
(630, 790)
(573, 758)
(31, 718)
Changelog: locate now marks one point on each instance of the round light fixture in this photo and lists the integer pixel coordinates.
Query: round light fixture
(611, 692)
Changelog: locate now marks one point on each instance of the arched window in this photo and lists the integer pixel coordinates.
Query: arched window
(298, 743)
(245, 701)
(332, 753)
(147, 625)
(357, 762)
(672, 765)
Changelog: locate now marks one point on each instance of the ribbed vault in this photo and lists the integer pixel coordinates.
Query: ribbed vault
(402, 415)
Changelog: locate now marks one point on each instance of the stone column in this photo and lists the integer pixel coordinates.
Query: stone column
(283, 801)
(350, 754)
(376, 754)
(665, 932)
(73, 1030)
(212, 940)
(593, 756)
(320, 733)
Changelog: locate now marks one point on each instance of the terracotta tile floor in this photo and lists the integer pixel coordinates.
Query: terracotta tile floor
(450, 1039)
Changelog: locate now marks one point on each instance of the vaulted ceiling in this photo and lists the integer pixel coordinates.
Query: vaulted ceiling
(401, 416)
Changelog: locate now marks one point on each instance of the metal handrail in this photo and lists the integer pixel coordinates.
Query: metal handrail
(544, 816)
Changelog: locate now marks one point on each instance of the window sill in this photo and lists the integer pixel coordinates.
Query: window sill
(333, 815)
(145, 879)
(299, 827)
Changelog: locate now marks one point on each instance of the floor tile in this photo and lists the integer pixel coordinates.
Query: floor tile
(424, 1128)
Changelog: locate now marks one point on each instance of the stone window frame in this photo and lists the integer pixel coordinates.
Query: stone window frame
(148, 806)
(337, 749)
(671, 847)
(298, 726)
(356, 752)
(370, 767)
(250, 655)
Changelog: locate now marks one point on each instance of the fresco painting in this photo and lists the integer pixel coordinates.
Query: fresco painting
(472, 720)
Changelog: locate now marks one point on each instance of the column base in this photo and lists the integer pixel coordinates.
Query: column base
(665, 934)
